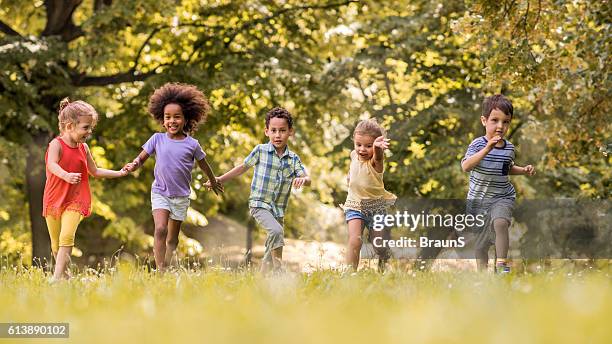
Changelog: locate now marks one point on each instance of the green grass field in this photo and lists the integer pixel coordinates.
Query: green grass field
(127, 304)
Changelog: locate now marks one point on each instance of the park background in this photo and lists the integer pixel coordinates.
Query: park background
(422, 68)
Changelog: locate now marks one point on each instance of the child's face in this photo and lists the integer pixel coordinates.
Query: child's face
(364, 146)
(278, 132)
(79, 132)
(174, 120)
(497, 124)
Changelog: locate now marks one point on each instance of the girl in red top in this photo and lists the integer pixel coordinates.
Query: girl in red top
(67, 198)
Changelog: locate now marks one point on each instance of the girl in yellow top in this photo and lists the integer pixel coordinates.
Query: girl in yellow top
(367, 196)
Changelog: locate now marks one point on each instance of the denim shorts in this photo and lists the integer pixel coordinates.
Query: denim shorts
(177, 206)
(368, 219)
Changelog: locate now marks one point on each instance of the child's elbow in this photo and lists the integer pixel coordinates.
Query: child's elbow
(465, 167)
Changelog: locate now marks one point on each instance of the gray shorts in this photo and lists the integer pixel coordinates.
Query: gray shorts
(274, 228)
(500, 209)
(177, 206)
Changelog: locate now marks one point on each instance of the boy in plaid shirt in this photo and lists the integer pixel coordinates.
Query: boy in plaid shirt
(276, 170)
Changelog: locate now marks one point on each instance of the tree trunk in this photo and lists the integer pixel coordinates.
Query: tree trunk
(35, 181)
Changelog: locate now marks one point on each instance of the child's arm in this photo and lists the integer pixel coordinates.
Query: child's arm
(471, 162)
(213, 183)
(527, 170)
(380, 144)
(302, 179)
(231, 174)
(237, 171)
(101, 172)
(53, 158)
(138, 162)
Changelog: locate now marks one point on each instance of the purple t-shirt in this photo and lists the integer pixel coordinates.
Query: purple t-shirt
(173, 163)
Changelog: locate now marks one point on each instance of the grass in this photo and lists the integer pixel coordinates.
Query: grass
(128, 304)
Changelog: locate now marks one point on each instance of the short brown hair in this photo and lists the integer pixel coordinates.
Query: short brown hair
(69, 112)
(279, 112)
(369, 127)
(499, 102)
(192, 101)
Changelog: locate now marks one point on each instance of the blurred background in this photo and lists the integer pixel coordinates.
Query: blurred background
(422, 68)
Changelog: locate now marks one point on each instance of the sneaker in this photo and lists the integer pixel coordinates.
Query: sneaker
(502, 268)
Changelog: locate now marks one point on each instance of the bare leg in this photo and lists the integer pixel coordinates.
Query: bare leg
(160, 218)
(502, 239)
(383, 252)
(277, 258)
(174, 228)
(482, 258)
(61, 263)
(502, 244)
(355, 230)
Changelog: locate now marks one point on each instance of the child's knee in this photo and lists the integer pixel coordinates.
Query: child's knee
(172, 242)
(501, 224)
(355, 241)
(276, 235)
(65, 239)
(161, 231)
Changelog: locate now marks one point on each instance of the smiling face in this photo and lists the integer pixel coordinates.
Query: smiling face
(278, 132)
(496, 124)
(174, 120)
(364, 146)
(80, 131)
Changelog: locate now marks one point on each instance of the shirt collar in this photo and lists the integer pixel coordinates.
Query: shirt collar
(271, 149)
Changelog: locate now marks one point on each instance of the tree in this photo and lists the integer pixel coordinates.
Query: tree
(66, 47)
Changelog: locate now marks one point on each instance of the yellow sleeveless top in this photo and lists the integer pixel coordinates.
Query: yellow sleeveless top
(366, 191)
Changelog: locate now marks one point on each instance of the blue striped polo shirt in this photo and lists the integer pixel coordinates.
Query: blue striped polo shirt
(489, 179)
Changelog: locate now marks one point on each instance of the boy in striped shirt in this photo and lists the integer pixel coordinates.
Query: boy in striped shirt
(276, 170)
(490, 159)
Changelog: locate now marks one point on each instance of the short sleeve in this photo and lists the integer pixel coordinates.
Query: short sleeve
(253, 158)
(472, 149)
(149, 146)
(199, 152)
(299, 168)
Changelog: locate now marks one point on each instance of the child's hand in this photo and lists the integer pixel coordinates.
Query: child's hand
(381, 142)
(529, 170)
(493, 141)
(216, 186)
(299, 182)
(130, 167)
(123, 172)
(72, 178)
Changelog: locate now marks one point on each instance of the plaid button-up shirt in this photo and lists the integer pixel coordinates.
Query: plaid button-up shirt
(273, 177)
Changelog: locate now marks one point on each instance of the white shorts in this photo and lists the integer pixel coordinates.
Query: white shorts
(177, 206)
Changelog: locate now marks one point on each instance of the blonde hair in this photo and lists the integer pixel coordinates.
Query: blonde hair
(369, 127)
(69, 112)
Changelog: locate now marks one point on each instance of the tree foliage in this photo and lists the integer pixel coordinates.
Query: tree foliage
(420, 67)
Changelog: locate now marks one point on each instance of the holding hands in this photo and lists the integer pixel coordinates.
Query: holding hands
(216, 186)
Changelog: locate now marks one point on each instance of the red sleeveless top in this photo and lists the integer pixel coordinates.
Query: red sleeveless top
(60, 195)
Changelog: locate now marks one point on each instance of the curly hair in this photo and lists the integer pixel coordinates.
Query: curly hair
(369, 127)
(69, 112)
(499, 102)
(279, 112)
(192, 101)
